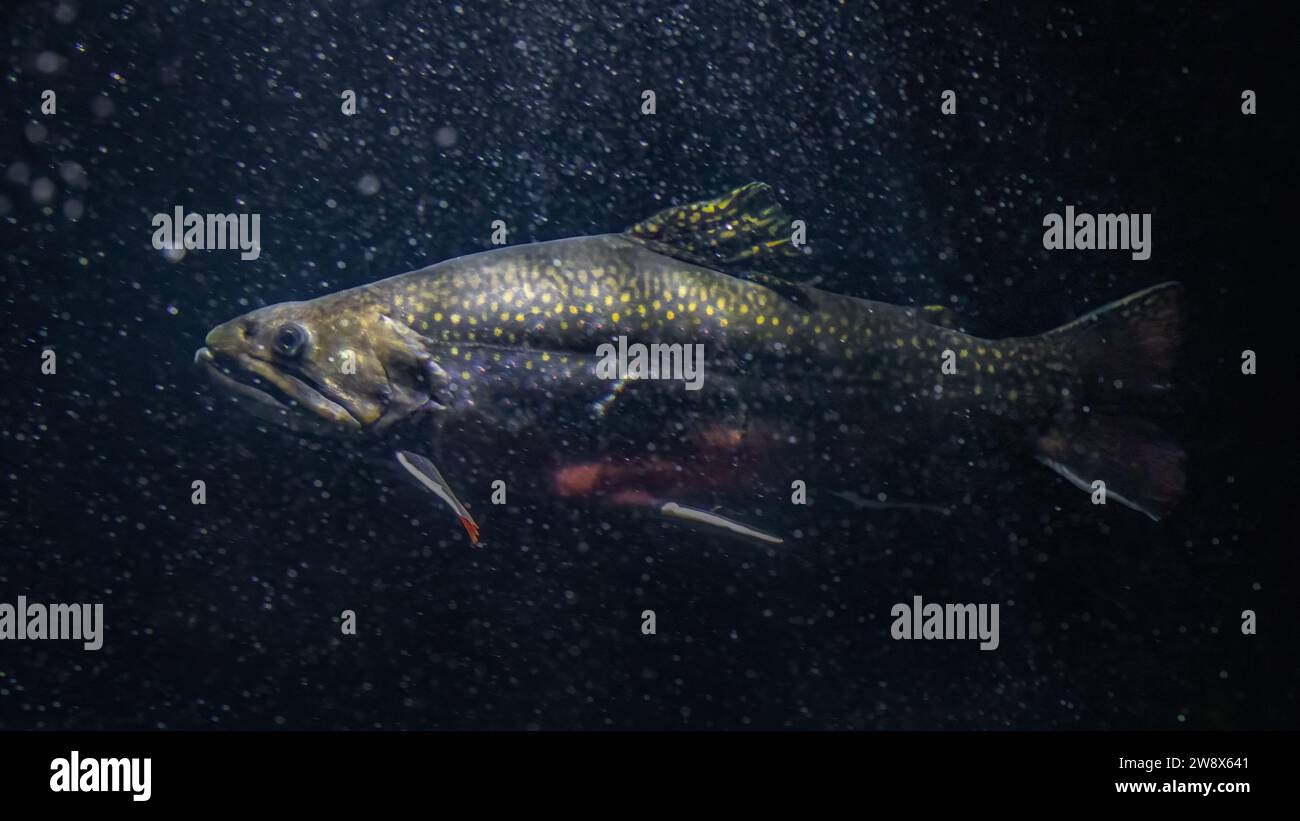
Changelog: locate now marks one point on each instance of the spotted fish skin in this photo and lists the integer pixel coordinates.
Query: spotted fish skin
(569, 296)
(504, 344)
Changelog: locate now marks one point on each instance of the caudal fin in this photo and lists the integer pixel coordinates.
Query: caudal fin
(1124, 354)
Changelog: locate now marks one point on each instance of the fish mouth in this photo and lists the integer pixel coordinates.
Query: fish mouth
(261, 382)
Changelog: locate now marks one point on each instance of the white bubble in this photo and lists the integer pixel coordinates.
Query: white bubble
(368, 185)
(445, 136)
(18, 173)
(42, 190)
(65, 12)
(72, 173)
(47, 62)
(5, 205)
(73, 209)
(101, 107)
(173, 254)
(35, 133)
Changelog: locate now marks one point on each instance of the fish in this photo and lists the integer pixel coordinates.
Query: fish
(496, 366)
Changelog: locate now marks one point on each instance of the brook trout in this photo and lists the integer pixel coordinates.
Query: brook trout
(664, 367)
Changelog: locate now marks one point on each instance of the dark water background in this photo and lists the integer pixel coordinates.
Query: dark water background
(225, 616)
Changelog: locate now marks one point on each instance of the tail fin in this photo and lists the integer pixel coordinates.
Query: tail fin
(1123, 353)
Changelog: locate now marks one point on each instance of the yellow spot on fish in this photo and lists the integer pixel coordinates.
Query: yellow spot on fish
(1013, 396)
(464, 375)
(670, 315)
(455, 319)
(760, 319)
(615, 316)
(708, 310)
(744, 309)
(776, 320)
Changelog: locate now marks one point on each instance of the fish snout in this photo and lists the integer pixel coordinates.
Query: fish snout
(228, 337)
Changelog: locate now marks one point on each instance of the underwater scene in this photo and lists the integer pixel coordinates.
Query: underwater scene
(559, 365)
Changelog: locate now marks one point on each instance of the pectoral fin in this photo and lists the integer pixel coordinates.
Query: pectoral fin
(424, 472)
(673, 510)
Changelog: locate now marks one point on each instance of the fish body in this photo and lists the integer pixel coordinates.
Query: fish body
(503, 361)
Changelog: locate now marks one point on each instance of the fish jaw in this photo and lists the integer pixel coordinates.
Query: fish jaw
(220, 371)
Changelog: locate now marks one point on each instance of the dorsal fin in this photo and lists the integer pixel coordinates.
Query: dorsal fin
(747, 225)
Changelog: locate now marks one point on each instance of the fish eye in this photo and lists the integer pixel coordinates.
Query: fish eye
(290, 340)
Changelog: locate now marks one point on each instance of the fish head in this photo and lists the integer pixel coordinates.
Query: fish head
(340, 359)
